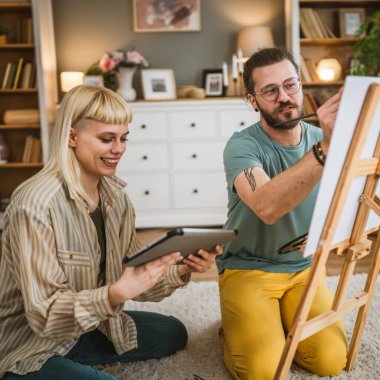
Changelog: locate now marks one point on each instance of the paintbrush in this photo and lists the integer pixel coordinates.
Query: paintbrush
(297, 118)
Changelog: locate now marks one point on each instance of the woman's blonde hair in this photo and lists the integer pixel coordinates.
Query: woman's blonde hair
(81, 102)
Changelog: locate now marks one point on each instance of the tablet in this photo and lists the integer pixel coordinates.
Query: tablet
(184, 240)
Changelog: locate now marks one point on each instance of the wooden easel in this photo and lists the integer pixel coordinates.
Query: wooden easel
(356, 247)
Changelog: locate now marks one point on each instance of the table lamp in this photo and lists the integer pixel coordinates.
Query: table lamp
(70, 79)
(329, 69)
(254, 38)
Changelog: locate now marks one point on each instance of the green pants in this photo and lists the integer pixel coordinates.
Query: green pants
(157, 336)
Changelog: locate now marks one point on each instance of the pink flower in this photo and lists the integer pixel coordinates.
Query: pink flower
(108, 62)
(136, 58)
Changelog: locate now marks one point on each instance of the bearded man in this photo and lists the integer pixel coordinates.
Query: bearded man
(272, 170)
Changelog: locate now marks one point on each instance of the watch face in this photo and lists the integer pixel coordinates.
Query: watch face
(294, 245)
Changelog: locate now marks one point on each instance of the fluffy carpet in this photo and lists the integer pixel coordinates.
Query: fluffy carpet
(197, 306)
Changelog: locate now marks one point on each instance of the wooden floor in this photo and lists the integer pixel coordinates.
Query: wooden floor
(334, 263)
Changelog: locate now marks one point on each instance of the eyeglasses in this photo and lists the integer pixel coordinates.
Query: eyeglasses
(291, 86)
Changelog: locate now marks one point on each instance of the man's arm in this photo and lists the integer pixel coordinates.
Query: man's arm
(270, 199)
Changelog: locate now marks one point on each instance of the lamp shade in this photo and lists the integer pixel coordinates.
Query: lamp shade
(329, 69)
(70, 79)
(253, 38)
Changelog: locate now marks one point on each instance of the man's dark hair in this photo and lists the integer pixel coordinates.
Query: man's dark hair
(265, 57)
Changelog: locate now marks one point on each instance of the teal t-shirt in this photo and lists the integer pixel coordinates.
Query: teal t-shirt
(258, 244)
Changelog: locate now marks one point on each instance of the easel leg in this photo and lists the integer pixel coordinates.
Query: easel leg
(295, 332)
(363, 311)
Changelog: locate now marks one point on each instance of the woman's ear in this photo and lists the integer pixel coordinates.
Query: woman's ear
(73, 138)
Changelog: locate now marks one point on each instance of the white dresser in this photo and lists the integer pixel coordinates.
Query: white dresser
(174, 160)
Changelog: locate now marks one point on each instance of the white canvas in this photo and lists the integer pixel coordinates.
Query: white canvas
(355, 89)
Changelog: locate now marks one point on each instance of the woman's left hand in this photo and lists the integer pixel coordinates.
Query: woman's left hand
(201, 262)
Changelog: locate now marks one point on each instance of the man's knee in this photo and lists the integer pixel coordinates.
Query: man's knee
(330, 361)
(252, 365)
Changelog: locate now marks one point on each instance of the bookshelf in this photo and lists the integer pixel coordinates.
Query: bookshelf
(28, 52)
(314, 33)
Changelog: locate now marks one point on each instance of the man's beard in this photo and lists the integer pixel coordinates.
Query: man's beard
(273, 118)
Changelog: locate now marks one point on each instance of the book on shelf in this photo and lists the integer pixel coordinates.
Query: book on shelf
(27, 148)
(312, 69)
(9, 75)
(312, 25)
(305, 75)
(35, 155)
(27, 31)
(312, 101)
(26, 75)
(18, 73)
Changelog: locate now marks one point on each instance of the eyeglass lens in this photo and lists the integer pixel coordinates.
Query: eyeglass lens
(291, 86)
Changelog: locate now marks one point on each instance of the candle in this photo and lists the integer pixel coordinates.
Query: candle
(234, 67)
(225, 74)
(240, 61)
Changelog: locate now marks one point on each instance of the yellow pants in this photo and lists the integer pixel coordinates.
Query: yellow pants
(257, 307)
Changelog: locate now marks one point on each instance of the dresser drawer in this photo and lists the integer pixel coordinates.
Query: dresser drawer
(200, 190)
(236, 120)
(152, 125)
(144, 157)
(199, 156)
(193, 124)
(147, 191)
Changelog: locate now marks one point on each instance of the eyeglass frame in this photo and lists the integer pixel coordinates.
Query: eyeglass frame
(278, 89)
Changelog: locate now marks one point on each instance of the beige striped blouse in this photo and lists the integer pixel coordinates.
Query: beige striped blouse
(49, 267)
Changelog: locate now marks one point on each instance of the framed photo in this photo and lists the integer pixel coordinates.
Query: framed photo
(350, 20)
(93, 80)
(166, 15)
(213, 82)
(158, 84)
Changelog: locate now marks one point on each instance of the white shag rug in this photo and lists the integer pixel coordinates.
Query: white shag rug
(197, 306)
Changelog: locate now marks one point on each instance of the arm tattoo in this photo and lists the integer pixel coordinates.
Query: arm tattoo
(250, 177)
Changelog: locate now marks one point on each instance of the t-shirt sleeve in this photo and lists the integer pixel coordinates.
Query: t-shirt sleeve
(241, 152)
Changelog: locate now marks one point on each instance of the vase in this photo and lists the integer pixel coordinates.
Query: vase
(125, 77)
(4, 150)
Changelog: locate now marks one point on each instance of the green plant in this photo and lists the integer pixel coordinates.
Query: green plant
(3, 30)
(367, 50)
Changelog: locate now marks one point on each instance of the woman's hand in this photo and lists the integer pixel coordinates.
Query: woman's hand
(201, 262)
(327, 115)
(136, 280)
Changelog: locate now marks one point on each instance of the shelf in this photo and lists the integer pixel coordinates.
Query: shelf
(18, 91)
(4, 127)
(21, 165)
(323, 84)
(338, 3)
(15, 7)
(329, 41)
(17, 47)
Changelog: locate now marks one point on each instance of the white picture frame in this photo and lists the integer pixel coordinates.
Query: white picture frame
(158, 84)
(93, 80)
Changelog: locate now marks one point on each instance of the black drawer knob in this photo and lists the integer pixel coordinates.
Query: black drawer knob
(144, 157)
(193, 125)
(195, 191)
(146, 192)
(242, 123)
(143, 126)
(194, 155)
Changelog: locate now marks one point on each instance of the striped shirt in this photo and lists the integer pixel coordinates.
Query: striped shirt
(49, 266)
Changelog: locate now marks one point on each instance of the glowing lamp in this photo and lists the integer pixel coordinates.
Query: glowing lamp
(70, 79)
(329, 70)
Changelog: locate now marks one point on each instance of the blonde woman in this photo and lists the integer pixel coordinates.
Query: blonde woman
(67, 229)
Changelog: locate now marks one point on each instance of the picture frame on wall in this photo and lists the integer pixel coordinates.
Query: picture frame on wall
(166, 15)
(158, 84)
(350, 20)
(213, 82)
(93, 80)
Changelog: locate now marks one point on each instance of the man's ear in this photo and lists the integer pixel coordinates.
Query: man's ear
(252, 100)
(73, 137)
